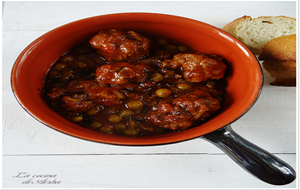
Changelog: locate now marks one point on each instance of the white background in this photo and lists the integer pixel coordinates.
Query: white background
(32, 148)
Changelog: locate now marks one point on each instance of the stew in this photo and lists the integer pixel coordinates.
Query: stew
(122, 83)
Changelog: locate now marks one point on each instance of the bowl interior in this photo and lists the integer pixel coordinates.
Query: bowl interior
(244, 76)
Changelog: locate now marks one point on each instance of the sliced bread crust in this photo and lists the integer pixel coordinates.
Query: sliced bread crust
(254, 33)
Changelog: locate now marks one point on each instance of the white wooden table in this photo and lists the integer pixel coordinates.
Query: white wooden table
(34, 155)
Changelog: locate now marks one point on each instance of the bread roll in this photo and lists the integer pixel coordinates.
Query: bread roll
(279, 59)
(254, 33)
(284, 72)
(281, 48)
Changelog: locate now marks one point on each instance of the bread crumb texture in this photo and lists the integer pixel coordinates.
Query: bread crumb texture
(254, 33)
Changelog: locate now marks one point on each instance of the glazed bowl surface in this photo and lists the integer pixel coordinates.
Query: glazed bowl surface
(244, 76)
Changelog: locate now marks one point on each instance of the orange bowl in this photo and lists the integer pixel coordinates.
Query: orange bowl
(244, 75)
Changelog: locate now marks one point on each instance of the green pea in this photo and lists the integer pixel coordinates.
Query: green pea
(67, 58)
(80, 64)
(130, 132)
(126, 113)
(119, 127)
(114, 119)
(77, 119)
(171, 47)
(59, 66)
(157, 77)
(54, 74)
(184, 86)
(94, 111)
(95, 125)
(162, 41)
(106, 130)
(182, 48)
(163, 92)
(135, 104)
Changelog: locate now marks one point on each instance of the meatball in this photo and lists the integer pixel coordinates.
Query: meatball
(184, 110)
(120, 73)
(117, 46)
(171, 117)
(95, 94)
(76, 104)
(104, 95)
(197, 67)
(81, 95)
(199, 104)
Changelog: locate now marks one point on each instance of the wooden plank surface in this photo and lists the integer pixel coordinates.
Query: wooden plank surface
(130, 171)
(30, 147)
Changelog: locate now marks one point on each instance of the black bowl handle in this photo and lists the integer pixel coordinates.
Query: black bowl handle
(252, 158)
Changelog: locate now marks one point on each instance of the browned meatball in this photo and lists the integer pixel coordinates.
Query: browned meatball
(104, 95)
(85, 95)
(76, 104)
(197, 67)
(184, 110)
(120, 73)
(171, 117)
(117, 46)
(94, 95)
(197, 103)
